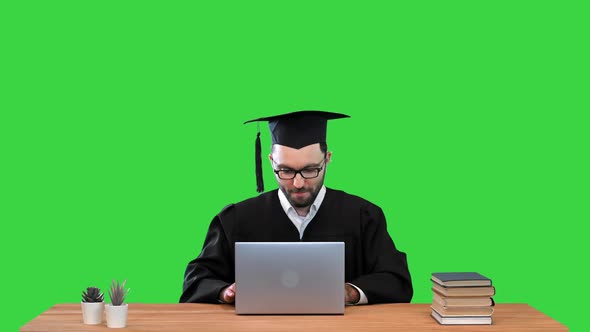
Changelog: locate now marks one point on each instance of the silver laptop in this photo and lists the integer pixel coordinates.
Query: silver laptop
(289, 277)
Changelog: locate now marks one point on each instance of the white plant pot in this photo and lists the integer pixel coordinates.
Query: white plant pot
(92, 312)
(116, 315)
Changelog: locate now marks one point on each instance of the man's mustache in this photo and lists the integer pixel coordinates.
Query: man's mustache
(302, 190)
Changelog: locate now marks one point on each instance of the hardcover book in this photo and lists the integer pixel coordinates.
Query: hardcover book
(462, 311)
(460, 279)
(472, 320)
(468, 301)
(464, 291)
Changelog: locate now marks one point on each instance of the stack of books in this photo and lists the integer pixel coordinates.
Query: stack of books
(462, 298)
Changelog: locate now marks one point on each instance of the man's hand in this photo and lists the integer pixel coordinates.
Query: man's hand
(351, 295)
(228, 294)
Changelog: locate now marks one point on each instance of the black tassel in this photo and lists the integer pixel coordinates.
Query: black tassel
(258, 158)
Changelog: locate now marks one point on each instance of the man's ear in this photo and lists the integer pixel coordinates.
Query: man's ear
(328, 157)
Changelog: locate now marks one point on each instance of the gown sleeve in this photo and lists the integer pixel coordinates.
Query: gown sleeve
(212, 270)
(386, 277)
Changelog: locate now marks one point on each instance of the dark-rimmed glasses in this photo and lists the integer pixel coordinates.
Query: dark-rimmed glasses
(306, 173)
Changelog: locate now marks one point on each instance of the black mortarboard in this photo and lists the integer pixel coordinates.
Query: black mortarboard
(295, 130)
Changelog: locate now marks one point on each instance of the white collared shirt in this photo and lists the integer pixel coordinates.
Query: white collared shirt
(297, 220)
(301, 223)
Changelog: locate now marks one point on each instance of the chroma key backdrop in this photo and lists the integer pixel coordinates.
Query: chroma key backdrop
(121, 137)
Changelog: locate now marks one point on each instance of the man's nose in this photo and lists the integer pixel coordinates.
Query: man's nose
(298, 181)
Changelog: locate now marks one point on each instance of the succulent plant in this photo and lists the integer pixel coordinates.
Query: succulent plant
(92, 294)
(117, 293)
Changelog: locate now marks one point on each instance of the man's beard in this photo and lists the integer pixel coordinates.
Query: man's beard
(303, 202)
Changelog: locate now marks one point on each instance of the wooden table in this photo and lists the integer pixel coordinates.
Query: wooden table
(221, 317)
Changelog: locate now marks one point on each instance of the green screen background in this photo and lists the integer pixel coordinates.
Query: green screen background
(121, 136)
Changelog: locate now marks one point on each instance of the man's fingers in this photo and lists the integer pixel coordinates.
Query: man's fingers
(229, 294)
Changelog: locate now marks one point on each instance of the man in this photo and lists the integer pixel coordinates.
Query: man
(302, 209)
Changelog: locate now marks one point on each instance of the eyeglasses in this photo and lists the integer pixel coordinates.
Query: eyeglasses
(306, 173)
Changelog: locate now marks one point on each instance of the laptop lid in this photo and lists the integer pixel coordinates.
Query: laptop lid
(289, 277)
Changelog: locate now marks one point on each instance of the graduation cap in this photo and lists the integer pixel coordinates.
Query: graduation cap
(295, 130)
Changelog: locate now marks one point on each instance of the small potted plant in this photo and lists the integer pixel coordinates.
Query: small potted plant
(92, 306)
(117, 310)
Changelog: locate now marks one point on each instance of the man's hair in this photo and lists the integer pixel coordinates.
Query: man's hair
(323, 148)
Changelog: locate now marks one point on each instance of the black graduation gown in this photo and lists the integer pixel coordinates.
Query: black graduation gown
(372, 261)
